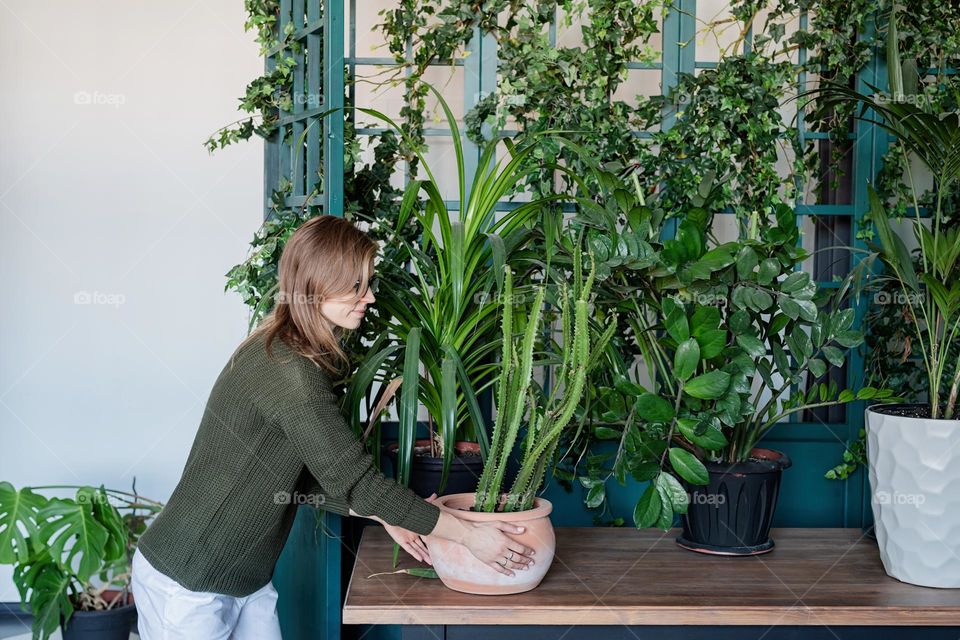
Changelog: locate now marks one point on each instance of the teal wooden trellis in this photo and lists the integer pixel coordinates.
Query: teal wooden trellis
(309, 572)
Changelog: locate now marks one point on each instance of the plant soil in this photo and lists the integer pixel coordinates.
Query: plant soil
(903, 410)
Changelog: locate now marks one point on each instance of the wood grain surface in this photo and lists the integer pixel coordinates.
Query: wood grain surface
(617, 576)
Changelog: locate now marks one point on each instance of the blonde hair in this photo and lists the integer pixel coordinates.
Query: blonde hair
(322, 259)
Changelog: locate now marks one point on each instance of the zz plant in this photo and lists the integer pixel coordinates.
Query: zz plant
(750, 340)
(547, 418)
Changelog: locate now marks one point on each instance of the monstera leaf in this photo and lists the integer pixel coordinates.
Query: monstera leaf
(18, 522)
(106, 514)
(44, 586)
(73, 533)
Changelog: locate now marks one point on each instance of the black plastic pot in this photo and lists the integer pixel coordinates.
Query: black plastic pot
(112, 624)
(425, 474)
(732, 514)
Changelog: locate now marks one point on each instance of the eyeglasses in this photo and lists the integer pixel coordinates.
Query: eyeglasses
(372, 285)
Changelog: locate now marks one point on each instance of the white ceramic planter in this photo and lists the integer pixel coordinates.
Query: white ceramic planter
(914, 466)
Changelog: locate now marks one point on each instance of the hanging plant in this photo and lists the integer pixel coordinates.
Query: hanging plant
(269, 94)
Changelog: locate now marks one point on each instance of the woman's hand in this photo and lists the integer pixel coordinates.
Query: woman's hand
(489, 542)
(410, 542)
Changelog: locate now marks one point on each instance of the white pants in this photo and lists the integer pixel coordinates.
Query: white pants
(168, 611)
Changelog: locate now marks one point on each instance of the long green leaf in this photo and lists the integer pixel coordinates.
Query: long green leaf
(457, 142)
(409, 392)
(448, 413)
(472, 405)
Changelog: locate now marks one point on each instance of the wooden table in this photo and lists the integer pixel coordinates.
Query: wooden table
(628, 583)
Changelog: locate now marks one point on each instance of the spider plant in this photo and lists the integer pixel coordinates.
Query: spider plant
(439, 293)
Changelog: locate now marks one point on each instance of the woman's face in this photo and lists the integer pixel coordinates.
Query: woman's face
(347, 311)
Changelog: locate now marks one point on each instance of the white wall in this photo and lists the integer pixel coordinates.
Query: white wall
(117, 198)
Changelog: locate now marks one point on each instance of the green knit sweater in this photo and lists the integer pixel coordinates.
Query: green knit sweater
(272, 437)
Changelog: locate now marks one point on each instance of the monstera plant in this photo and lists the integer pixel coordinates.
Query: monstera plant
(71, 556)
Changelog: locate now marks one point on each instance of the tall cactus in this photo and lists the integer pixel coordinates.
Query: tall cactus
(515, 397)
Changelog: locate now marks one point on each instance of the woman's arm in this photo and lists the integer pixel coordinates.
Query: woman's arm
(345, 471)
(342, 467)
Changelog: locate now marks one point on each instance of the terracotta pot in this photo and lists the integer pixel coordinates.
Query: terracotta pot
(460, 570)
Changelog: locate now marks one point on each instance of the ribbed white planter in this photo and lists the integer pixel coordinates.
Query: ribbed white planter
(915, 494)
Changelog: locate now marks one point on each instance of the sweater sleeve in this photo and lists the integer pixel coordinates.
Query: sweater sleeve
(327, 503)
(345, 471)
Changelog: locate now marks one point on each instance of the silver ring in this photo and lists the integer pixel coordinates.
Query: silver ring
(511, 557)
(502, 564)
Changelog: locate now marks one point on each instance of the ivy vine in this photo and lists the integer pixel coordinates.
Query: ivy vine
(727, 122)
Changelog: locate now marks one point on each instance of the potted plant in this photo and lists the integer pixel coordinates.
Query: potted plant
(71, 557)
(546, 417)
(748, 340)
(438, 295)
(913, 451)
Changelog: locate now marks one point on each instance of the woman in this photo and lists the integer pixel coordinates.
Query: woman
(272, 434)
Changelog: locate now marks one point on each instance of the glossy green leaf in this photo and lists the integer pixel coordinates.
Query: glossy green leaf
(712, 343)
(19, 510)
(833, 355)
(711, 439)
(746, 262)
(652, 408)
(665, 519)
(671, 488)
(675, 320)
(795, 282)
(817, 367)
(753, 346)
(74, 536)
(688, 466)
(708, 386)
(647, 510)
(769, 270)
(686, 359)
